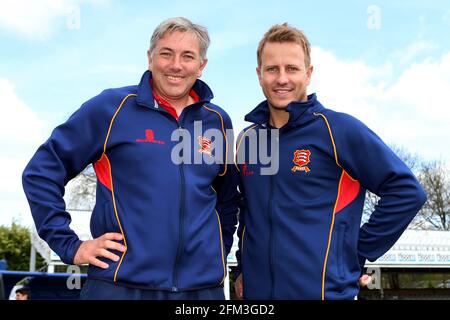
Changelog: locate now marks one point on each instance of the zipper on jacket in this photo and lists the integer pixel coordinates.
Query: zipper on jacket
(180, 226)
(181, 215)
(181, 231)
(179, 124)
(271, 238)
(271, 246)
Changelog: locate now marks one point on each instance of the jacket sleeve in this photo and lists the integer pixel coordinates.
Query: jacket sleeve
(369, 160)
(227, 195)
(70, 148)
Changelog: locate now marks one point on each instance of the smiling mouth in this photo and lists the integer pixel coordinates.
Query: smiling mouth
(282, 92)
(174, 78)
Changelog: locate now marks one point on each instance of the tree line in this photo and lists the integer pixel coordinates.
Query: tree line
(434, 178)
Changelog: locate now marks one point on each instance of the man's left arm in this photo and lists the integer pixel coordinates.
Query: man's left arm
(369, 160)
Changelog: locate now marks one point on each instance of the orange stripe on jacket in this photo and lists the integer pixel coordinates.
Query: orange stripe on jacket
(348, 192)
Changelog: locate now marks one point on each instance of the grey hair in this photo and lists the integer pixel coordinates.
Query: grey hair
(184, 25)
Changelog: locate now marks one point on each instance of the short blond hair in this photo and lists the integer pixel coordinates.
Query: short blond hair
(285, 33)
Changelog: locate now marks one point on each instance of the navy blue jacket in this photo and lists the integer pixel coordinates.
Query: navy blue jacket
(177, 220)
(300, 233)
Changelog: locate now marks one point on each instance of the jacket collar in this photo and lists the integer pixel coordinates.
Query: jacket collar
(145, 92)
(299, 112)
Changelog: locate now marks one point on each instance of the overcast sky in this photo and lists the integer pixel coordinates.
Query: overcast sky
(385, 62)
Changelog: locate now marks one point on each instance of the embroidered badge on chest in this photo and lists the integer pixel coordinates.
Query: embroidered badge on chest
(301, 160)
(150, 137)
(205, 145)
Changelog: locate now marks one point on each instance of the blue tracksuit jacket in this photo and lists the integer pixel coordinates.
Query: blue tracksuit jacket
(300, 234)
(177, 219)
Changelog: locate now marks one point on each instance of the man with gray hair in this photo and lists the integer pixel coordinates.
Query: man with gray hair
(161, 228)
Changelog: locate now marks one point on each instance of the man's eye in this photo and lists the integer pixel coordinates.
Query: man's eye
(292, 69)
(271, 69)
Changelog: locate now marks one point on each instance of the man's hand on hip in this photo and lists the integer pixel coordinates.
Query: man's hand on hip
(89, 250)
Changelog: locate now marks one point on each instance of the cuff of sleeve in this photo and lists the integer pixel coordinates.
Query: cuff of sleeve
(362, 262)
(71, 252)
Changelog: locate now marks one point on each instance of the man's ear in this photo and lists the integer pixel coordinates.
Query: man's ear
(150, 59)
(309, 72)
(202, 66)
(259, 74)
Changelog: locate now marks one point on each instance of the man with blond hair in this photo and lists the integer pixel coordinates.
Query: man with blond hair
(299, 226)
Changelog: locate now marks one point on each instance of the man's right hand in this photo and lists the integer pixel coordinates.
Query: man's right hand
(239, 287)
(89, 250)
(364, 280)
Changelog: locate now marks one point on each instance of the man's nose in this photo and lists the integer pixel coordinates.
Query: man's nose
(282, 78)
(176, 63)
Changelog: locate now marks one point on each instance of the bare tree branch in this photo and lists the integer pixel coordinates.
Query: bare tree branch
(435, 213)
(434, 178)
(81, 191)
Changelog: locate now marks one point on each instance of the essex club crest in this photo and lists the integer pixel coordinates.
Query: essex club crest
(205, 145)
(301, 160)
